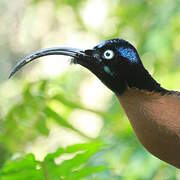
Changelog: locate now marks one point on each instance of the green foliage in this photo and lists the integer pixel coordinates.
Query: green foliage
(31, 113)
(75, 167)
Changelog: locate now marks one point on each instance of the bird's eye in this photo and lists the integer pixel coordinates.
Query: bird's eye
(108, 54)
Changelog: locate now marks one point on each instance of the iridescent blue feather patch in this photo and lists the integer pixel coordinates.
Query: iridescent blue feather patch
(129, 54)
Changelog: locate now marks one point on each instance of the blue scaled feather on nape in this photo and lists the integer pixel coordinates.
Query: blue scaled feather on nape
(129, 54)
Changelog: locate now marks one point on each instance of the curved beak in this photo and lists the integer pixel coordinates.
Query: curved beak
(77, 54)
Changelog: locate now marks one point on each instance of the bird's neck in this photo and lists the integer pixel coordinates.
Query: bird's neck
(142, 80)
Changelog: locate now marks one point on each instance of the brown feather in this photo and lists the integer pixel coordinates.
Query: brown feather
(155, 119)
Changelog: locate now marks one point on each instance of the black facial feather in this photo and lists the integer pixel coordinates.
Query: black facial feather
(124, 70)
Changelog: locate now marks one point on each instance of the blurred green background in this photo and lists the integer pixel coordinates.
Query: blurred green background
(58, 121)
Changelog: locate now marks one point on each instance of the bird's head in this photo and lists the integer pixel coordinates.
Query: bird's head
(115, 62)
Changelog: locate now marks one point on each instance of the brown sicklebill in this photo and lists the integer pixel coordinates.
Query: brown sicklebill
(154, 112)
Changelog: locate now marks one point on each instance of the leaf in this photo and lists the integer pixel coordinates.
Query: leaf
(22, 168)
(85, 171)
(95, 146)
(83, 153)
(61, 121)
(74, 168)
(41, 125)
(74, 105)
(52, 156)
(56, 117)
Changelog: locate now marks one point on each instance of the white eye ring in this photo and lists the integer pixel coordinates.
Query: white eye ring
(108, 54)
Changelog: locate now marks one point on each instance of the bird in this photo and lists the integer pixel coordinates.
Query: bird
(153, 111)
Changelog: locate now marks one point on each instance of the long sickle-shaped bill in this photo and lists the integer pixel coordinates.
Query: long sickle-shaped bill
(72, 52)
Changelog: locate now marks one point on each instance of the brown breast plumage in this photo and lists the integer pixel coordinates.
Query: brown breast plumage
(155, 119)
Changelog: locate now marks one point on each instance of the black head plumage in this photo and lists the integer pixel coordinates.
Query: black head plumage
(115, 62)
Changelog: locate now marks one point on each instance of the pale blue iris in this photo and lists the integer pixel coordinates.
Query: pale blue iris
(129, 54)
